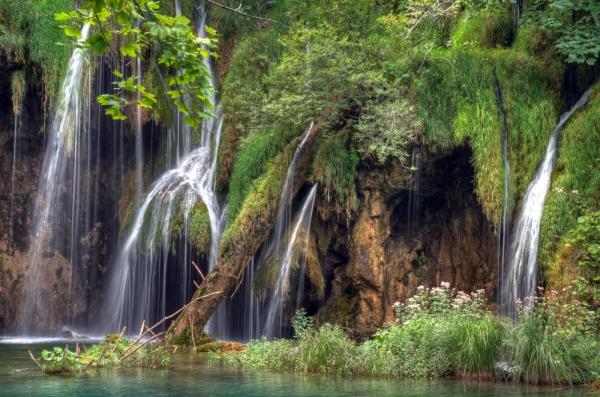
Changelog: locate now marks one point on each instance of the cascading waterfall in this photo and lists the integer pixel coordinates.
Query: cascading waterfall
(225, 323)
(138, 289)
(297, 245)
(414, 195)
(153, 274)
(14, 168)
(503, 228)
(60, 162)
(520, 274)
(139, 139)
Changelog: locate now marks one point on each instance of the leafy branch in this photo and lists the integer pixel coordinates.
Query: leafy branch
(137, 27)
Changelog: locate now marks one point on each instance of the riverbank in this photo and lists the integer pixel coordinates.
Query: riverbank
(193, 375)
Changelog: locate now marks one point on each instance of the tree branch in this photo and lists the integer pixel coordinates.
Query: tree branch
(237, 10)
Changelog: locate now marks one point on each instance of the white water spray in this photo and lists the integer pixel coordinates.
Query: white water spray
(520, 275)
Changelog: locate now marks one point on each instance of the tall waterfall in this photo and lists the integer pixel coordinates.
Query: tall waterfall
(504, 226)
(60, 163)
(17, 114)
(293, 250)
(153, 273)
(520, 274)
(414, 195)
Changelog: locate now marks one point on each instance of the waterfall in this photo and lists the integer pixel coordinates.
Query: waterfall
(12, 184)
(295, 246)
(414, 195)
(153, 273)
(61, 162)
(504, 226)
(139, 139)
(520, 274)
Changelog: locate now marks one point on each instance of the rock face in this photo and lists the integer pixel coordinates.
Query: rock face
(384, 260)
(71, 268)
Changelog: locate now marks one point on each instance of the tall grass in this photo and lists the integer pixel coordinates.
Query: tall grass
(439, 332)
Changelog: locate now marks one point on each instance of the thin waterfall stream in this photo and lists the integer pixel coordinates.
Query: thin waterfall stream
(414, 195)
(60, 157)
(520, 273)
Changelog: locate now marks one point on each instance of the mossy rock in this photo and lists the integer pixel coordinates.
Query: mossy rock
(199, 230)
(490, 28)
(221, 347)
(201, 338)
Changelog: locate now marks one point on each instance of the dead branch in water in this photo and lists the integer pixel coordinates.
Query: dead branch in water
(118, 339)
(33, 359)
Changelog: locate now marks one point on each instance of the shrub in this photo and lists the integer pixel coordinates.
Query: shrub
(553, 342)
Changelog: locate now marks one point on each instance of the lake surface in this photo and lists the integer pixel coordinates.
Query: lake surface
(193, 376)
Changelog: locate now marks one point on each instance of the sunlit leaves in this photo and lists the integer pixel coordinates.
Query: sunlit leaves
(575, 26)
(138, 26)
(130, 49)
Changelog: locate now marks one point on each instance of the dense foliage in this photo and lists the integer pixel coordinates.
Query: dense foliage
(136, 27)
(441, 332)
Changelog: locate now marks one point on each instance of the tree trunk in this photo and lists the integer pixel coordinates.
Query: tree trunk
(245, 237)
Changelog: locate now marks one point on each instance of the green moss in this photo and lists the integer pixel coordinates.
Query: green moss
(28, 36)
(457, 99)
(489, 28)
(250, 163)
(334, 167)
(199, 231)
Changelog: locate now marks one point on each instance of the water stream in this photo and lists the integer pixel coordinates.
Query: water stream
(297, 245)
(414, 196)
(520, 273)
(60, 163)
(154, 273)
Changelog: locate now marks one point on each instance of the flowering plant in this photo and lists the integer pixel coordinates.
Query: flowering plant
(440, 300)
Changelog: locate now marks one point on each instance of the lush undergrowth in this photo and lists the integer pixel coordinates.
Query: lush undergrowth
(377, 84)
(113, 352)
(441, 332)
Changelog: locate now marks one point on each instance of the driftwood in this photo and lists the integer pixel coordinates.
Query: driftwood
(142, 329)
(104, 351)
(65, 354)
(139, 346)
(118, 339)
(33, 359)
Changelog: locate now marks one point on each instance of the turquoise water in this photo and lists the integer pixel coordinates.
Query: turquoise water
(192, 376)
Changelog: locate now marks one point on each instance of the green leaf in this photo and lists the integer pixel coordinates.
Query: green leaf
(115, 113)
(130, 49)
(117, 73)
(98, 6)
(72, 32)
(192, 122)
(63, 16)
(147, 103)
(98, 43)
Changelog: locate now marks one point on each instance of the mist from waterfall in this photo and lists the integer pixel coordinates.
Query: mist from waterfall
(520, 273)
